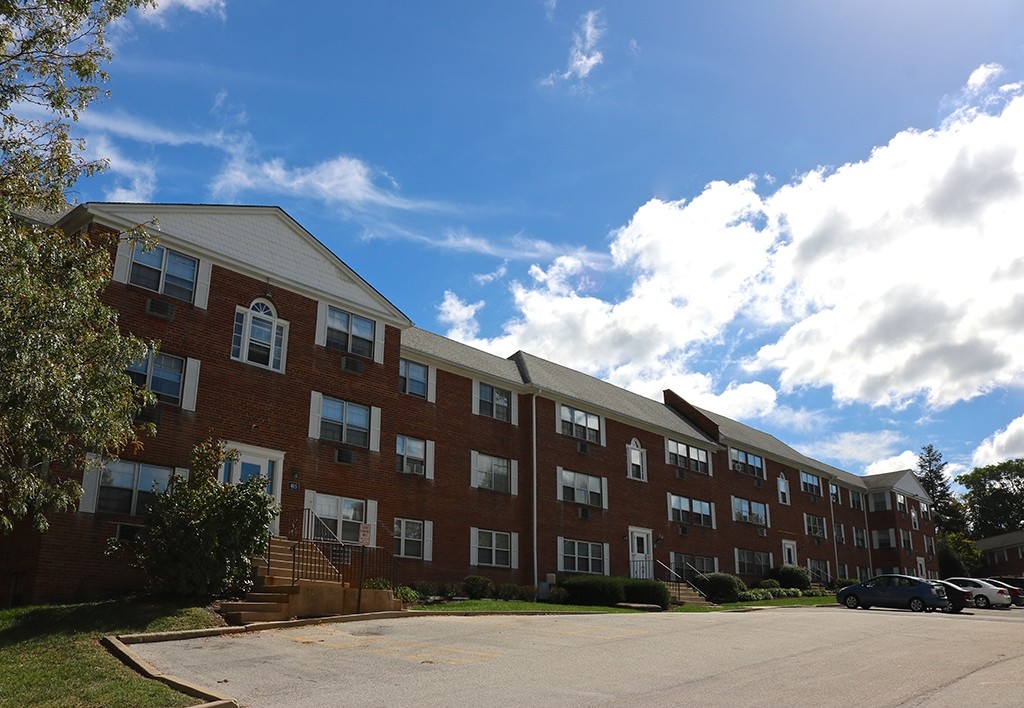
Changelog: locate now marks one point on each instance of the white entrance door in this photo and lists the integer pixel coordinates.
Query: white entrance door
(641, 557)
(256, 462)
(789, 552)
(921, 570)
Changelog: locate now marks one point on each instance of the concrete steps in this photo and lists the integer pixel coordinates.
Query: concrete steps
(682, 594)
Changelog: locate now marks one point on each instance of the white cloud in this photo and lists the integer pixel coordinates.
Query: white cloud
(906, 460)
(496, 274)
(1006, 444)
(140, 176)
(584, 56)
(459, 316)
(873, 449)
(982, 76)
(896, 279)
(217, 8)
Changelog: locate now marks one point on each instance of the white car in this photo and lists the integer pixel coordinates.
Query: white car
(985, 594)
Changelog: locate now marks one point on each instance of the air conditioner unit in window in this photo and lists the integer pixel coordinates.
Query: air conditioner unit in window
(352, 365)
(345, 456)
(582, 447)
(416, 468)
(683, 529)
(762, 532)
(160, 308)
(738, 467)
(584, 512)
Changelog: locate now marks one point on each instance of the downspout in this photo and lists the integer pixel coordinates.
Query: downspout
(533, 444)
(867, 537)
(832, 514)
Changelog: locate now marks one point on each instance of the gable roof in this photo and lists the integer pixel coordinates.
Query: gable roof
(900, 480)
(756, 440)
(462, 356)
(571, 386)
(261, 241)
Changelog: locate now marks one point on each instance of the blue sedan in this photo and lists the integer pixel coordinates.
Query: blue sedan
(900, 591)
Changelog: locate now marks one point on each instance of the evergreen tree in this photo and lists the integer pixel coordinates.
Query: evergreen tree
(947, 510)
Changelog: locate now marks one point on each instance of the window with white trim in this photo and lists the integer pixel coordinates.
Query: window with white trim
(839, 531)
(755, 563)
(913, 519)
(833, 490)
(345, 422)
(411, 455)
(880, 501)
(164, 271)
(130, 487)
(905, 539)
(925, 514)
(749, 512)
(636, 461)
(883, 538)
(690, 511)
(498, 474)
(818, 570)
(856, 500)
(901, 502)
(747, 462)
(412, 538)
(580, 424)
(687, 456)
(494, 548)
(810, 483)
(495, 402)
(581, 556)
(162, 374)
(259, 337)
(860, 537)
(353, 516)
(929, 544)
(412, 378)
(350, 333)
(783, 491)
(582, 488)
(814, 525)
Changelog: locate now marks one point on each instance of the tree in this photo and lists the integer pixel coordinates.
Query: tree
(200, 534)
(946, 508)
(995, 498)
(63, 392)
(965, 551)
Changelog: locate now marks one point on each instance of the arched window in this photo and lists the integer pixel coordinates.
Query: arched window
(783, 489)
(259, 337)
(636, 461)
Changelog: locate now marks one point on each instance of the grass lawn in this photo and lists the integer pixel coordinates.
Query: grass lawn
(50, 655)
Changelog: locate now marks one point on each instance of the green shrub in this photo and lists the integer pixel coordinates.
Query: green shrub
(527, 593)
(769, 584)
(406, 594)
(786, 592)
(755, 595)
(818, 592)
(647, 592)
(377, 584)
(507, 591)
(558, 596)
(595, 590)
(477, 587)
(720, 587)
(791, 576)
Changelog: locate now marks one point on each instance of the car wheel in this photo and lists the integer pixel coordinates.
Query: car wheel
(851, 601)
(981, 601)
(916, 604)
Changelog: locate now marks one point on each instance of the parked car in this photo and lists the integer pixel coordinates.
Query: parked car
(1016, 594)
(894, 590)
(958, 597)
(1014, 580)
(985, 594)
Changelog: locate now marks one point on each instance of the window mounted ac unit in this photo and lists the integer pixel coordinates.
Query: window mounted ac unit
(417, 468)
(344, 456)
(762, 532)
(351, 364)
(160, 308)
(584, 512)
(738, 466)
(582, 447)
(683, 529)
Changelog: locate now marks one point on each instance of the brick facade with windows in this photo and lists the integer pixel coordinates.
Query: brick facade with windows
(514, 468)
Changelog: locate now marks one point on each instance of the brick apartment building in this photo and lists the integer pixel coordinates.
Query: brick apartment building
(457, 461)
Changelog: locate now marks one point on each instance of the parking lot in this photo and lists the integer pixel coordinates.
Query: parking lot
(826, 656)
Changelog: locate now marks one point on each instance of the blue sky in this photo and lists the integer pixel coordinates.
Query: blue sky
(803, 215)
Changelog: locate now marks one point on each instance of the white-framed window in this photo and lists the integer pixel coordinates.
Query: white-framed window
(755, 563)
(495, 402)
(252, 461)
(925, 513)
(259, 337)
(883, 538)
(818, 570)
(784, 491)
(580, 424)
(413, 538)
(880, 501)
(174, 380)
(494, 548)
(810, 483)
(747, 462)
(863, 573)
(345, 422)
(749, 512)
(636, 461)
(929, 545)
(349, 520)
(901, 502)
(913, 520)
(689, 567)
(582, 556)
(833, 490)
(860, 537)
(350, 333)
(498, 474)
(582, 488)
(906, 541)
(412, 378)
(691, 511)
(814, 526)
(687, 456)
(124, 487)
(414, 456)
(839, 531)
(164, 271)
(856, 500)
